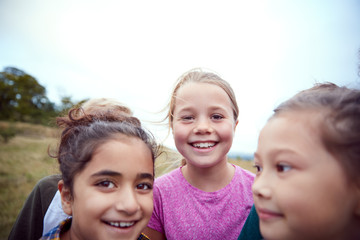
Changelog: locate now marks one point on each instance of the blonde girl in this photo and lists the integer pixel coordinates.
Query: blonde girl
(207, 197)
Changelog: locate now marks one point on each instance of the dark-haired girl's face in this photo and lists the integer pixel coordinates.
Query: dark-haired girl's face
(112, 196)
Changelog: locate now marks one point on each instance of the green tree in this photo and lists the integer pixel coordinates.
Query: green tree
(7, 133)
(22, 98)
(66, 103)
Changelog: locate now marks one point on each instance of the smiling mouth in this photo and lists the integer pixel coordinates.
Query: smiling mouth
(120, 224)
(203, 145)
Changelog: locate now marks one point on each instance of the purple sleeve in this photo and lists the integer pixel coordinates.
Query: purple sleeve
(157, 218)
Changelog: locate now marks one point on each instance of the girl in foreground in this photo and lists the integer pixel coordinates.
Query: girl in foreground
(308, 162)
(207, 197)
(42, 209)
(107, 166)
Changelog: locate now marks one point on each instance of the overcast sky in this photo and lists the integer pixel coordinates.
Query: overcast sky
(134, 51)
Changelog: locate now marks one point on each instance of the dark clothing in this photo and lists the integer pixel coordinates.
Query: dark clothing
(251, 229)
(29, 222)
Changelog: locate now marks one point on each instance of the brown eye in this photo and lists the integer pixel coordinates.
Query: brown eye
(258, 168)
(187, 118)
(217, 117)
(144, 186)
(106, 184)
(283, 167)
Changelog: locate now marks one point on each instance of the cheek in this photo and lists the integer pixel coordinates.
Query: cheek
(227, 131)
(180, 134)
(295, 193)
(323, 202)
(147, 204)
(87, 200)
(83, 204)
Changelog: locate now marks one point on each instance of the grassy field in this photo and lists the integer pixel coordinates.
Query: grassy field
(24, 161)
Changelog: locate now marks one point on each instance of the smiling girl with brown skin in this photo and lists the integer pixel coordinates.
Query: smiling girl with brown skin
(107, 166)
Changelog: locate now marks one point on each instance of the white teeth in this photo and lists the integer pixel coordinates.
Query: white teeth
(121, 224)
(203, 145)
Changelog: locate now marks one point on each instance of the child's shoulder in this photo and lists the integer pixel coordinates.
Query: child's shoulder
(49, 182)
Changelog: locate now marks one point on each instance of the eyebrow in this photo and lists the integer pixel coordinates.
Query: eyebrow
(276, 152)
(191, 108)
(117, 174)
(145, 175)
(106, 173)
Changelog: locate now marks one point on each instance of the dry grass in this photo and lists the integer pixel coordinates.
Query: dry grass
(24, 161)
(32, 130)
(248, 165)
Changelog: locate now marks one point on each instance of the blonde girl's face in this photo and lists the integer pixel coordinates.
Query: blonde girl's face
(203, 124)
(300, 190)
(113, 197)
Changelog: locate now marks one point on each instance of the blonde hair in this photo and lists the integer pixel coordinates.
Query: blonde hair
(104, 106)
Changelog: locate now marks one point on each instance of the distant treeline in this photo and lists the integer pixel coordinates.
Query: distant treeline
(241, 156)
(23, 99)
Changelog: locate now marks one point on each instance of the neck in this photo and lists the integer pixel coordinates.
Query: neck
(209, 179)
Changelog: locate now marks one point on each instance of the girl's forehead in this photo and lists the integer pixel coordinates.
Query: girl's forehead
(314, 116)
(305, 124)
(194, 88)
(199, 84)
(116, 152)
(194, 92)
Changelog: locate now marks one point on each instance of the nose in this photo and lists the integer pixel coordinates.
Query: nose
(261, 187)
(203, 126)
(127, 201)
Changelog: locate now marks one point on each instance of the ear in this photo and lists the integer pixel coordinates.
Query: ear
(236, 123)
(66, 198)
(172, 129)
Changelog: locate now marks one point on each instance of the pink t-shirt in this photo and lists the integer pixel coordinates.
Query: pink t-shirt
(182, 211)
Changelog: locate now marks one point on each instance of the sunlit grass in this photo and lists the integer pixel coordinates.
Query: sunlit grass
(23, 162)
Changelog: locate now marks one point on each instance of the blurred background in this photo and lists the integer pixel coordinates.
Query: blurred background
(135, 50)
(54, 54)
